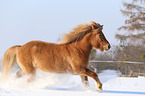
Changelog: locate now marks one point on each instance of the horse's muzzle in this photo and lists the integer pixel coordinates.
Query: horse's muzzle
(107, 47)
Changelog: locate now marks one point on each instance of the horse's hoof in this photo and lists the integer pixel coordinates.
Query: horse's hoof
(99, 91)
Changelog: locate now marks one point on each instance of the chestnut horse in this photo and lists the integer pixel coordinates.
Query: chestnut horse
(69, 56)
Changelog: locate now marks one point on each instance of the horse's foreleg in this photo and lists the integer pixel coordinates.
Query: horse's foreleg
(84, 80)
(94, 76)
(87, 72)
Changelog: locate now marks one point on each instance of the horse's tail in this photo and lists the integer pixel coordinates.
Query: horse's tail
(9, 59)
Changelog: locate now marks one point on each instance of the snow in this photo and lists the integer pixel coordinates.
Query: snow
(47, 84)
(126, 83)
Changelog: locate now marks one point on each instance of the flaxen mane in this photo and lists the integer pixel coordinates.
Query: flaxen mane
(79, 32)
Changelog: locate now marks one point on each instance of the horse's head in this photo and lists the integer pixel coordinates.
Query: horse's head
(98, 39)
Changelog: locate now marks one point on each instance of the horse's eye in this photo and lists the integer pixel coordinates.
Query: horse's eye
(100, 35)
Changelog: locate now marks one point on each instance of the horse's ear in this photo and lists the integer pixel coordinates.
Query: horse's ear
(99, 29)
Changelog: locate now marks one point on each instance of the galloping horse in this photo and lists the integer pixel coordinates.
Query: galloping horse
(69, 56)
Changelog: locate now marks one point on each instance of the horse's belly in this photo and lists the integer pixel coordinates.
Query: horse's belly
(54, 68)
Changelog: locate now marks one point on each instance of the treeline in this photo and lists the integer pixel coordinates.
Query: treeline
(131, 45)
(128, 52)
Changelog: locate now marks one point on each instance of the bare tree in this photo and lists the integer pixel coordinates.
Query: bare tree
(135, 22)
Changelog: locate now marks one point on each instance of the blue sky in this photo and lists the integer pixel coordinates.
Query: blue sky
(25, 20)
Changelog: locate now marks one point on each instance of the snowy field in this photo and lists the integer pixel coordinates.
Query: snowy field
(47, 84)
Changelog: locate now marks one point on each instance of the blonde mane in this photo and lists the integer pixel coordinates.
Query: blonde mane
(79, 32)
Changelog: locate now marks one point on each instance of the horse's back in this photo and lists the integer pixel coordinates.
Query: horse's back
(25, 51)
(45, 56)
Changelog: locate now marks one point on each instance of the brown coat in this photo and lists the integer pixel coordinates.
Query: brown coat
(69, 56)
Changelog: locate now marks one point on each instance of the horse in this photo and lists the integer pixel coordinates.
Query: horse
(69, 56)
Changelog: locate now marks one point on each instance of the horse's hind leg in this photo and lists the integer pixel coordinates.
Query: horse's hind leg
(31, 76)
(84, 80)
(29, 70)
(20, 73)
(24, 60)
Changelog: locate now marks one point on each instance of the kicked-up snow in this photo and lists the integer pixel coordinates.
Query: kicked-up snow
(47, 84)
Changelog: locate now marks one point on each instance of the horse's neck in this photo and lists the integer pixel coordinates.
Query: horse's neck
(84, 45)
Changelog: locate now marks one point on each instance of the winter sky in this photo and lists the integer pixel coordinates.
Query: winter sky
(25, 20)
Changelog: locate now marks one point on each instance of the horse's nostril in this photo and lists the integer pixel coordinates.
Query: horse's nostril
(109, 46)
